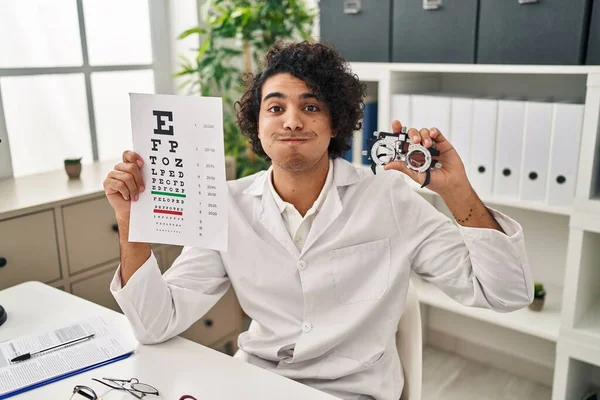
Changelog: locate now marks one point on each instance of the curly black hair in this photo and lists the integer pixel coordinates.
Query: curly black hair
(328, 77)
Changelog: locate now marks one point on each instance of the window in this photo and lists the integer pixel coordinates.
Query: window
(66, 70)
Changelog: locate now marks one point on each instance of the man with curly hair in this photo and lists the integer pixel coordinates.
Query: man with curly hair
(321, 251)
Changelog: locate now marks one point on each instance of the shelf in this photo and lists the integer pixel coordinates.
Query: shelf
(591, 206)
(588, 329)
(477, 68)
(562, 242)
(509, 202)
(590, 323)
(544, 324)
(584, 379)
(525, 205)
(581, 352)
(577, 371)
(586, 221)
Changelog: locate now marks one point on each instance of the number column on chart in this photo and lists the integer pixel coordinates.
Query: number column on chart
(207, 186)
(210, 182)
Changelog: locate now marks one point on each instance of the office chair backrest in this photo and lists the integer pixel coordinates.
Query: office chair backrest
(409, 341)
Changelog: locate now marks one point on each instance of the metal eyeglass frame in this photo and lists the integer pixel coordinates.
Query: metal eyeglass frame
(81, 390)
(120, 385)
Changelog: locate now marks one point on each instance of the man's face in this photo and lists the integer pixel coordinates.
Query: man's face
(293, 127)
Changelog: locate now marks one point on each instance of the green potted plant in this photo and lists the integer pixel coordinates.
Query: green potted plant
(539, 294)
(234, 35)
(73, 167)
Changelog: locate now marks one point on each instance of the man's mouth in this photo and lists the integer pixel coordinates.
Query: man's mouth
(294, 139)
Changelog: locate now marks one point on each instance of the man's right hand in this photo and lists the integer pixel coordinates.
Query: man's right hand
(124, 183)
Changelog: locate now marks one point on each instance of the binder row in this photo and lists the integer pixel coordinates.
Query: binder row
(515, 149)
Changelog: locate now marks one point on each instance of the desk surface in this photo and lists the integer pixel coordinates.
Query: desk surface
(175, 368)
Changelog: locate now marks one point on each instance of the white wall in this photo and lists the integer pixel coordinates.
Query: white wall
(317, 23)
(183, 16)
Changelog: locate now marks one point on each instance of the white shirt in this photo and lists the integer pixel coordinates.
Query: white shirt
(297, 225)
(326, 314)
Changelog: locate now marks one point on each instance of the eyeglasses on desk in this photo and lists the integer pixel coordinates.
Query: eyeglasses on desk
(133, 386)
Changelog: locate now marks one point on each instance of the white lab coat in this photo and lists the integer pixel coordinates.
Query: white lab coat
(326, 315)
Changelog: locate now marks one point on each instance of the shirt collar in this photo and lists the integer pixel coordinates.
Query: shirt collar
(282, 205)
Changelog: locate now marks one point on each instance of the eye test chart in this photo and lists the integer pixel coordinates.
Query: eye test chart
(180, 139)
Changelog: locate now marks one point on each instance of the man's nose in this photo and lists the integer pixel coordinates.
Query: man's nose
(292, 120)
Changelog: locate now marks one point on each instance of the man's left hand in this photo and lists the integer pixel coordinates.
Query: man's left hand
(450, 178)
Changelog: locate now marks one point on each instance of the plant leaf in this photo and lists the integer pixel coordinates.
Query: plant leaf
(196, 30)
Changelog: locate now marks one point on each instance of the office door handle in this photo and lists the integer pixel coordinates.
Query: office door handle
(352, 6)
(430, 5)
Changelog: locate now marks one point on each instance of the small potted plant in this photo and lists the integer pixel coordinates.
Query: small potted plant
(73, 167)
(539, 294)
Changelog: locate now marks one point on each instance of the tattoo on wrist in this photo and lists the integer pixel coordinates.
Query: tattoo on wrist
(462, 221)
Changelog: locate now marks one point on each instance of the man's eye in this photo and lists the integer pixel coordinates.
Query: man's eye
(274, 109)
(312, 108)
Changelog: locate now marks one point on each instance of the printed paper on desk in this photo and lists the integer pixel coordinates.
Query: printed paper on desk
(106, 346)
(180, 139)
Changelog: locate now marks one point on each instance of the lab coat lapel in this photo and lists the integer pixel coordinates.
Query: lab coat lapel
(268, 215)
(344, 174)
(331, 209)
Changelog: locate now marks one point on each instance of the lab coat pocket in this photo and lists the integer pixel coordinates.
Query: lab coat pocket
(361, 272)
(337, 366)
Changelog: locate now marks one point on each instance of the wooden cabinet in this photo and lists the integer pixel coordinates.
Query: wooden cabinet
(67, 237)
(227, 345)
(90, 234)
(159, 254)
(223, 319)
(220, 327)
(170, 254)
(29, 249)
(95, 288)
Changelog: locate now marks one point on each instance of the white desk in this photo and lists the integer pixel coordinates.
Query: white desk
(175, 368)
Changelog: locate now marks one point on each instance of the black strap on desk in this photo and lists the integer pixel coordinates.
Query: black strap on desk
(3, 315)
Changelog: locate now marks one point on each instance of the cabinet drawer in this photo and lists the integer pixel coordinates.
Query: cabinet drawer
(360, 30)
(540, 32)
(434, 35)
(171, 254)
(593, 50)
(29, 249)
(224, 318)
(96, 289)
(90, 234)
(159, 254)
(227, 345)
